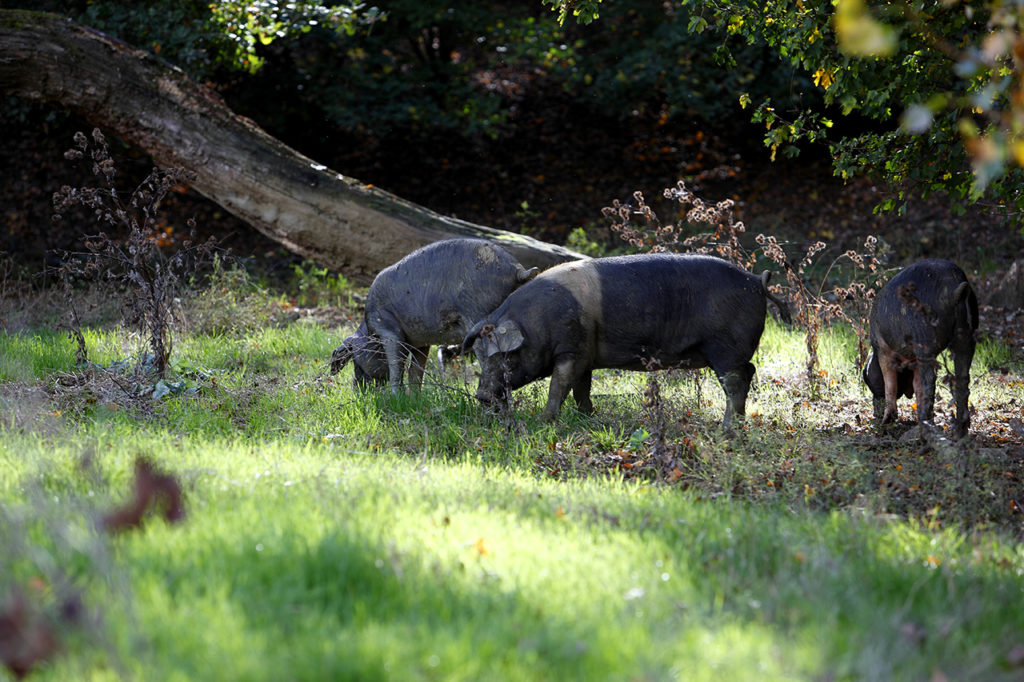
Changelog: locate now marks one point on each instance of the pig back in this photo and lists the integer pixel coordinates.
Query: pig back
(677, 309)
(923, 307)
(434, 294)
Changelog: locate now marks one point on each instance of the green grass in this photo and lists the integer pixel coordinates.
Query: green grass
(333, 534)
(306, 561)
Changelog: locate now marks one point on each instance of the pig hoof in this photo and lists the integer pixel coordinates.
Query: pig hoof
(729, 427)
(914, 434)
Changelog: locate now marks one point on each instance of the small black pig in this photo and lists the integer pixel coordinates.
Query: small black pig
(926, 308)
(639, 312)
(432, 296)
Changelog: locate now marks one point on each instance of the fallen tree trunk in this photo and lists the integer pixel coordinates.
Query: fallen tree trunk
(314, 211)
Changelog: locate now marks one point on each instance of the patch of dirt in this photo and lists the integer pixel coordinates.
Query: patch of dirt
(326, 316)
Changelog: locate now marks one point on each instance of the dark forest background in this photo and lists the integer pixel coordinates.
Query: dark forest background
(496, 113)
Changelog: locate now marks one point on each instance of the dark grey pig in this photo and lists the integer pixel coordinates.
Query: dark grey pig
(926, 308)
(630, 312)
(432, 296)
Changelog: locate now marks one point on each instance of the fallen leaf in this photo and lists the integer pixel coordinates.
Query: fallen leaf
(152, 488)
(1015, 658)
(26, 639)
(913, 632)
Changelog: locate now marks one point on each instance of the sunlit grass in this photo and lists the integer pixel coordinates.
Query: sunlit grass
(342, 534)
(294, 556)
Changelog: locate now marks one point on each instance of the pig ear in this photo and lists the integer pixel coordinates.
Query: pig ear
(961, 292)
(865, 370)
(508, 336)
(872, 375)
(523, 275)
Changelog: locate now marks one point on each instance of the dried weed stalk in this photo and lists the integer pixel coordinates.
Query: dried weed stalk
(819, 306)
(140, 264)
(651, 236)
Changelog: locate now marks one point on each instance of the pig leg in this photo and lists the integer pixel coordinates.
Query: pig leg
(563, 378)
(924, 389)
(890, 376)
(961, 390)
(581, 392)
(736, 384)
(396, 352)
(878, 406)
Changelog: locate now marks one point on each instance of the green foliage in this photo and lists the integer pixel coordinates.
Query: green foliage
(940, 81)
(248, 24)
(229, 302)
(206, 38)
(315, 285)
(430, 66)
(584, 11)
(580, 241)
(178, 30)
(650, 60)
(468, 70)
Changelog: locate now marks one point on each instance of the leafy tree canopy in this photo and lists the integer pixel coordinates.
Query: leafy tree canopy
(941, 79)
(428, 64)
(202, 36)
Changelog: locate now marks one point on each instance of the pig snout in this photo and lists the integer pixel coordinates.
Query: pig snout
(493, 389)
(493, 397)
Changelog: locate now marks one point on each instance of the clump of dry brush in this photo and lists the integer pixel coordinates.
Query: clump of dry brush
(141, 260)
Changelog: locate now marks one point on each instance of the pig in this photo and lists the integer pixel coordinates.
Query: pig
(639, 312)
(432, 296)
(924, 309)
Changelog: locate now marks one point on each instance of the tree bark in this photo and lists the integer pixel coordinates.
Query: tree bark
(337, 221)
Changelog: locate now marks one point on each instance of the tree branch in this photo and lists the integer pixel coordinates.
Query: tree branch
(314, 211)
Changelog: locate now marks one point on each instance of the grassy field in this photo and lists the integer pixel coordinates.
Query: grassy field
(337, 534)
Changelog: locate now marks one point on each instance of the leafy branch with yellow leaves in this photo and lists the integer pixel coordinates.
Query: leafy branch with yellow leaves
(934, 88)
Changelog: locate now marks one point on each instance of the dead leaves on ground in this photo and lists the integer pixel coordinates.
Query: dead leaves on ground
(32, 620)
(153, 490)
(35, 619)
(27, 637)
(846, 462)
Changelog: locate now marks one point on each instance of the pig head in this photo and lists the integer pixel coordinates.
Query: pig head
(924, 309)
(369, 364)
(641, 312)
